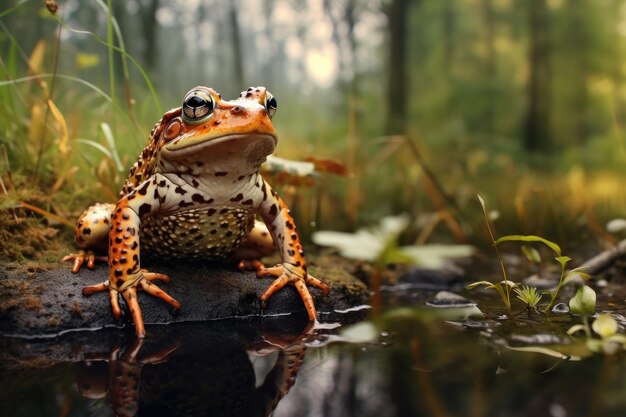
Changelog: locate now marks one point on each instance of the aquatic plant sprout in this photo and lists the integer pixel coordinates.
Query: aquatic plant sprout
(528, 295)
(503, 290)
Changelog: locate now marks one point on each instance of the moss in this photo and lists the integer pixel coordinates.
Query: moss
(26, 237)
(339, 278)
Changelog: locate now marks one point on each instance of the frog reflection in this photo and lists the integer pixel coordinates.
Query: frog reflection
(208, 376)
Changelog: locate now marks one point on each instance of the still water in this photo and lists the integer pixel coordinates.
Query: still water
(408, 360)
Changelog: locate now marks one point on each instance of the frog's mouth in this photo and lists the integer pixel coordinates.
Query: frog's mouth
(249, 144)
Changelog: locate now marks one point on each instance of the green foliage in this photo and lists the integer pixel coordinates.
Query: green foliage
(528, 295)
(609, 341)
(584, 302)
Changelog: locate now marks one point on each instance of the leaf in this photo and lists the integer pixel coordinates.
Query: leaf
(605, 325)
(108, 135)
(577, 272)
(84, 60)
(487, 284)
(545, 351)
(563, 260)
(616, 225)
(436, 256)
(96, 145)
(583, 302)
(362, 245)
(575, 329)
(330, 166)
(530, 238)
(531, 254)
(275, 164)
(64, 140)
(482, 202)
(36, 57)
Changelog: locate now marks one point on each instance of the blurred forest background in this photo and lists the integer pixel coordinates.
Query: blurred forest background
(427, 102)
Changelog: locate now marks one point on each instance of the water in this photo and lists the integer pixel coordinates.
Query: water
(408, 360)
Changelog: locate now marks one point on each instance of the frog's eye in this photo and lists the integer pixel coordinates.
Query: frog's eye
(270, 105)
(198, 106)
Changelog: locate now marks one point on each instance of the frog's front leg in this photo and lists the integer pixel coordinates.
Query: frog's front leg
(125, 273)
(293, 269)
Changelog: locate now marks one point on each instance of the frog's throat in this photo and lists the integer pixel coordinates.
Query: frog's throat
(197, 146)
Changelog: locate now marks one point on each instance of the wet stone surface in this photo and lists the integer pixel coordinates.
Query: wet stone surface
(49, 301)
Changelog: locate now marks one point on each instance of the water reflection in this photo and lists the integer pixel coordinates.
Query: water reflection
(209, 373)
(411, 363)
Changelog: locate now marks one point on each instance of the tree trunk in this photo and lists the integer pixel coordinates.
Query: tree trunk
(536, 134)
(236, 44)
(149, 27)
(397, 82)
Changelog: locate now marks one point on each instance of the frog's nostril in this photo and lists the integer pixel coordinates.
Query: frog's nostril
(237, 109)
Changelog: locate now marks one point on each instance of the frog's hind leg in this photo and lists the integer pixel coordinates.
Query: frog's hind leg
(258, 245)
(91, 234)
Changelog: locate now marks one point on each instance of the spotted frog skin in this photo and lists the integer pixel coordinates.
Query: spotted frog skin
(194, 193)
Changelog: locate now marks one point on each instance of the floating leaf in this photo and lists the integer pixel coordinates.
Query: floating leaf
(575, 329)
(436, 256)
(616, 225)
(370, 244)
(530, 238)
(584, 302)
(605, 325)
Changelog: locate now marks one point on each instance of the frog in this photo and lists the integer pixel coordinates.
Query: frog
(196, 193)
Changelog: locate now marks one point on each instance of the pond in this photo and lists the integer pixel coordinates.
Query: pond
(408, 359)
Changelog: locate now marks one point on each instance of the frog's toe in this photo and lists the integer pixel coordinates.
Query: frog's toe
(130, 296)
(286, 276)
(153, 276)
(311, 280)
(155, 291)
(250, 264)
(82, 256)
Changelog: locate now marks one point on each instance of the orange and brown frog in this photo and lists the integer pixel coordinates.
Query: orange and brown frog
(194, 193)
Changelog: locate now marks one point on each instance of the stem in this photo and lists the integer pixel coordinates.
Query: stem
(507, 295)
(556, 291)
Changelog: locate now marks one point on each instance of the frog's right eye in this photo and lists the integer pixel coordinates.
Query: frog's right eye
(198, 106)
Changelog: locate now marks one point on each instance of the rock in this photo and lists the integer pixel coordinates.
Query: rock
(45, 302)
(449, 299)
(445, 278)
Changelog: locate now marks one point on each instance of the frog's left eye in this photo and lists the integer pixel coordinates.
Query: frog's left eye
(270, 105)
(198, 107)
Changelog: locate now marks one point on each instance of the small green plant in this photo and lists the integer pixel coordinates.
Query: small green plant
(602, 336)
(528, 295)
(503, 287)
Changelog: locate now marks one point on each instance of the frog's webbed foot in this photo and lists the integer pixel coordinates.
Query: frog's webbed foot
(250, 264)
(290, 274)
(82, 256)
(143, 282)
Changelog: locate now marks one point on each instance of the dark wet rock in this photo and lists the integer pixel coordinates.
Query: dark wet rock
(560, 308)
(49, 301)
(446, 278)
(449, 299)
(476, 324)
(541, 282)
